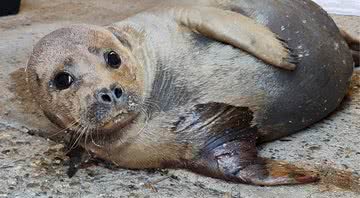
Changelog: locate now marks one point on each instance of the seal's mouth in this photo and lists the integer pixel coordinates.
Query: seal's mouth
(118, 122)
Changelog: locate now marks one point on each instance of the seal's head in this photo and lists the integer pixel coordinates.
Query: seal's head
(84, 77)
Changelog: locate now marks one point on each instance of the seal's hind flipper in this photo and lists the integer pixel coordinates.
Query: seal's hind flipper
(237, 161)
(238, 30)
(354, 45)
(229, 150)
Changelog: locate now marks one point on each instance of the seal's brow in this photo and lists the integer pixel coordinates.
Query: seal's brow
(69, 61)
(94, 50)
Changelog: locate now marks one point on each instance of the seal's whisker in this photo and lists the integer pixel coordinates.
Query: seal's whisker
(142, 129)
(77, 133)
(77, 141)
(147, 118)
(87, 131)
(92, 138)
(146, 114)
(70, 144)
(81, 135)
(65, 129)
(86, 136)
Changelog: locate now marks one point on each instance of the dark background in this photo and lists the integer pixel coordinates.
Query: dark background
(9, 7)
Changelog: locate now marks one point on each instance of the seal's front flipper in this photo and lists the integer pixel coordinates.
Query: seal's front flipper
(237, 30)
(354, 45)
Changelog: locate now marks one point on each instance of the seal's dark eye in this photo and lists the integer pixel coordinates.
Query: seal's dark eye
(113, 59)
(63, 80)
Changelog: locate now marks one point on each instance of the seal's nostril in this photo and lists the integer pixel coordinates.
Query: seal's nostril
(118, 93)
(106, 98)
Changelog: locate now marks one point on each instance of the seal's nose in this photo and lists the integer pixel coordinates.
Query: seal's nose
(104, 97)
(117, 93)
(107, 96)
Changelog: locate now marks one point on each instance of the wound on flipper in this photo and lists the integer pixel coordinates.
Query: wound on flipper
(229, 150)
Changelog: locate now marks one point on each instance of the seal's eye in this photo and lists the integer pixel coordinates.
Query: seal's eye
(113, 59)
(63, 80)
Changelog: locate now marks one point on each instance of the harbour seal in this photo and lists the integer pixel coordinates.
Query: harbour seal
(195, 87)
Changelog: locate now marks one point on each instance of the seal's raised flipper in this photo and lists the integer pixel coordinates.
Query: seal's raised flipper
(354, 45)
(237, 30)
(229, 151)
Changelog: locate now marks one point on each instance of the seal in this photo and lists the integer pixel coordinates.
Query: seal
(195, 87)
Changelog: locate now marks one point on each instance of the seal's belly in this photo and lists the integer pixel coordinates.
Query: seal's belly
(287, 100)
(319, 84)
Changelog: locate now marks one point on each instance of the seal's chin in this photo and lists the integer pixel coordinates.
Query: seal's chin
(117, 123)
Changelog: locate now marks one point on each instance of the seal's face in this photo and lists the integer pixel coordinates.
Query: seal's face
(85, 79)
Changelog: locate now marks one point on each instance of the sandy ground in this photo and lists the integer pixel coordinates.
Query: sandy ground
(32, 166)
